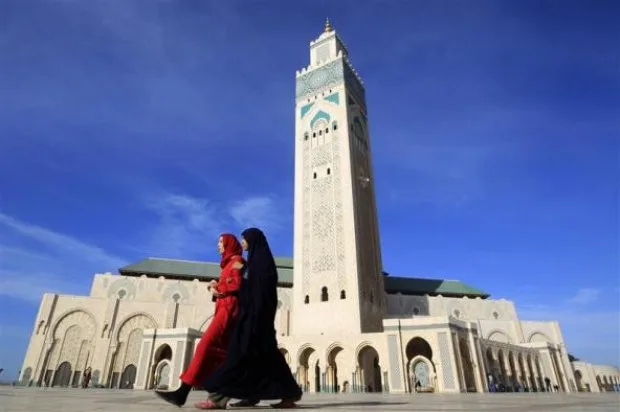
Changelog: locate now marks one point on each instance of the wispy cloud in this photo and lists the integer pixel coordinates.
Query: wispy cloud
(59, 242)
(261, 211)
(185, 225)
(590, 332)
(585, 296)
(35, 260)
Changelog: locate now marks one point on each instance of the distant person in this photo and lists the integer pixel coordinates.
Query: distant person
(86, 377)
(255, 369)
(211, 350)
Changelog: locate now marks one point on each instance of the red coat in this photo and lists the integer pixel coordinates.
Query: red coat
(211, 350)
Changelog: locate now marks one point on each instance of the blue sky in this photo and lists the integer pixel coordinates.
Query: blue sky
(133, 128)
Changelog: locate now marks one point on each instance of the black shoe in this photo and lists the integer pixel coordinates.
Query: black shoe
(244, 403)
(176, 398)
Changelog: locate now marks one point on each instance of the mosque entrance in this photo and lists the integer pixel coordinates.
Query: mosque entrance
(128, 378)
(63, 375)
(467, 365)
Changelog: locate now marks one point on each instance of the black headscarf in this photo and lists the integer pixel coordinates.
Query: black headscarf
(262, 280)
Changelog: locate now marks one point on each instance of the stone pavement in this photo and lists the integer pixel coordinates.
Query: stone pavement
(105, 400)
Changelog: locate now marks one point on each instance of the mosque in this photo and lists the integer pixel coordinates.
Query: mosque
(343, 324)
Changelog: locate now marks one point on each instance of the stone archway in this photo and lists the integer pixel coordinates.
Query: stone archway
(332, 374)
(128, 339)
(71, 341)
(309, 370)
(287, 356)
(161, 358)
(579, 381)
(467, 365)
(524, 372)
(493, 370)
(503, 371)
(369, 369)
(420, 366)
(128, 378)
(530, 366)
(62, 377)
(514, 380)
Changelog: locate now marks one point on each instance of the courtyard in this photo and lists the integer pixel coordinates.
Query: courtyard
(19, 399)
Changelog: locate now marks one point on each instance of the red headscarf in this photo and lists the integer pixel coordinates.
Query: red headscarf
(232, 248)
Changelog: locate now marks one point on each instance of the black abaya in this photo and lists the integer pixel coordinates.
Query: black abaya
(254, 367)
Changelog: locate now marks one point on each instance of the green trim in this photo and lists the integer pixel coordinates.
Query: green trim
(186, 269)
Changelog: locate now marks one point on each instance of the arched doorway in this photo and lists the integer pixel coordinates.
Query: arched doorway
(161, 367)
(287, 356)
(421, 369)
(128, 378)
(514, 381)
(309, 371)
(493, 372)
(467, 365)
(579, 381)
(63, 375)
(332, 383)
(369, 370)
(503, 371)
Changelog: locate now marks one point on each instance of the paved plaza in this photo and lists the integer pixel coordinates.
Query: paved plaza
(102, 400)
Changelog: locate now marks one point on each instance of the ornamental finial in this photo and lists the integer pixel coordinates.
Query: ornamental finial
(328, 26)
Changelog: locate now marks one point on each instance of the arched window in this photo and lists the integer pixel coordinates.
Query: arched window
(327, 130)
(306, 136)
(324, 294)
(329, 171)
(335, 125)
(314, 134)
(314, 175)
(343, 294)
(307, 299)
(320, 132)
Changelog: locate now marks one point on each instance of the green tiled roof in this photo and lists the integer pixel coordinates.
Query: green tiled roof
(187, 269)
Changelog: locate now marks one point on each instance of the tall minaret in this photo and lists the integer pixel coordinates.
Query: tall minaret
(338, 281)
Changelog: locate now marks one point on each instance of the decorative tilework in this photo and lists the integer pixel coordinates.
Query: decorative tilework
(315, 80)
(446, 362)
(305, 109)
(318, 116)
(142, 366)
(334, 98)
(395, 373)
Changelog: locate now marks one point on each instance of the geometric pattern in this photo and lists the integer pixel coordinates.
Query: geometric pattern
(395, 373)
(314, 80)
(444, 355)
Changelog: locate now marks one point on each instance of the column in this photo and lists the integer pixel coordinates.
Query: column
(459, 362)
(479, 370)
(562, 371)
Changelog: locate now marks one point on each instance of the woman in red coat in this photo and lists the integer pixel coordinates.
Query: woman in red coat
(211, 350)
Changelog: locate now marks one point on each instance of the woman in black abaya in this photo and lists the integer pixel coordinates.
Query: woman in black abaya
(254, 369)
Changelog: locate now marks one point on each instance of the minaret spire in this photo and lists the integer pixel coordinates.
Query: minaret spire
(328, 25)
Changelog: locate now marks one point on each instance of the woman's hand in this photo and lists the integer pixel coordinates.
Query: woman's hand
(212, 285)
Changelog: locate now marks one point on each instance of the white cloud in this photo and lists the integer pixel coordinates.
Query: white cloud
(259, 212)
(591, 334)
(184, 224)
(188, 225)
(59, 242)
(35, 260)
(585, 296)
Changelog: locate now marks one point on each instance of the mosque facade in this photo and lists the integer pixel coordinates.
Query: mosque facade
(343, 324)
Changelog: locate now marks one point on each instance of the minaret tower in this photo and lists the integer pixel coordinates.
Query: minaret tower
(338, 281)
